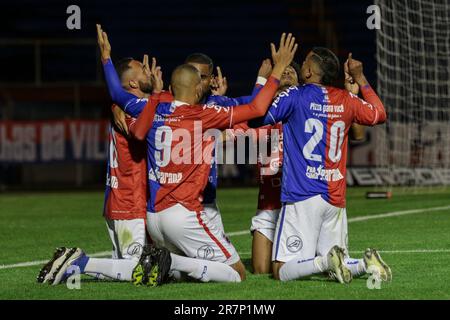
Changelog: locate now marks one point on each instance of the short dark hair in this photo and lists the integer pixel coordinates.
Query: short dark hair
(200, 58)
(123, 65)
(328, 64)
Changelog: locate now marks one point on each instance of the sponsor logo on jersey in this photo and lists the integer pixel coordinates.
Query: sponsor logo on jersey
(171, 177)
(294, 244)
(322, 174)
(164, 177)
(282, 94)
(216, 107)
(329, 108)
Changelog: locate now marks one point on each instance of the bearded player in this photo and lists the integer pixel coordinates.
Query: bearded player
(126, 188)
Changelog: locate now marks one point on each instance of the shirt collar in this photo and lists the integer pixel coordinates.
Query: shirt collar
(178, 103)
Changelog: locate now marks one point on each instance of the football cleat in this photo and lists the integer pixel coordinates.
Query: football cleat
(60, 274)
(372, 259)
(59, 257)
(331, 275)
(337, 265)
(153, 267)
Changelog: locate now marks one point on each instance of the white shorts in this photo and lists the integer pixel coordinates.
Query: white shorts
(309, 228)
(265, 221)
(212, 211)
(128, 237)
(191, 234)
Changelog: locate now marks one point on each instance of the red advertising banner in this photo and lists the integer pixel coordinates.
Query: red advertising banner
(56, 140)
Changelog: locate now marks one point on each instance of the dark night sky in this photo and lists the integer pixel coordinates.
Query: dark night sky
(235, 34)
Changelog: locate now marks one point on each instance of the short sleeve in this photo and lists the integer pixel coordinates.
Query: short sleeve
(281, 107)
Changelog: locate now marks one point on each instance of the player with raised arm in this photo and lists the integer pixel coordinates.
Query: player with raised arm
(213, 89)
(126, 184)
(311, 232)
(270, 172)
(175, 218)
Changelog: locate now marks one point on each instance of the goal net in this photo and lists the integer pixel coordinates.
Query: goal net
(413, 56)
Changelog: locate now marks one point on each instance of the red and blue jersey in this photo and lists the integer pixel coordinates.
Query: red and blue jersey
(209, 194)
(179, 158)
(126, 183)
(176, 174)
(270, 169)
(269, 165)
(316, 120)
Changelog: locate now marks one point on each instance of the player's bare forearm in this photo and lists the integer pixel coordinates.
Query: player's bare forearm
(361, 81)
(357, 132)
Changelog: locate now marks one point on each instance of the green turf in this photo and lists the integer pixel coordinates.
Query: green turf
(32, 225)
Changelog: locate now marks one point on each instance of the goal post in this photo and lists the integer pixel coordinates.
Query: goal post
(413, 70)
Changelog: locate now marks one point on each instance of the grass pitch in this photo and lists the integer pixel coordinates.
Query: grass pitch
(416, 245)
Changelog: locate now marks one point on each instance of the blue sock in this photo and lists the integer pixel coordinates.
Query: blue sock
(81, 262)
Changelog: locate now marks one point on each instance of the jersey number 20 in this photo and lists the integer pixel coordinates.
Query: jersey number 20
(337, 132)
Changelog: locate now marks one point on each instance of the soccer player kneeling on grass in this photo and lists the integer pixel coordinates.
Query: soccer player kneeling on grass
(311, 232)
(270, 175)
(126, 184)
(175, 219)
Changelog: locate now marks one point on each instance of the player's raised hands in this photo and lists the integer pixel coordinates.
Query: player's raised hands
(156, 75)
(146, 65)
(355, 70)
(266, 69)
(219, 84)
(284, 55)
(103, 43)
(349, 82)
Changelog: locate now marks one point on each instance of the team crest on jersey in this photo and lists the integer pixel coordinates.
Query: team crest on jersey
(294, 244)
(135, 249)
(205, 252)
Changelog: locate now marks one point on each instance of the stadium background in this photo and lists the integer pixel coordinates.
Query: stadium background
(52, 91)
(52, 87)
